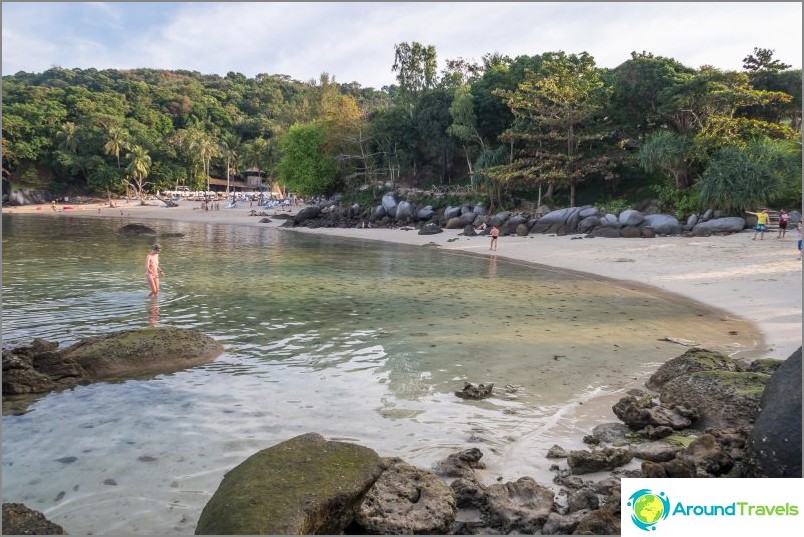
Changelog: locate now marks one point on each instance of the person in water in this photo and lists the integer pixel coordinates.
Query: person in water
(152, 270)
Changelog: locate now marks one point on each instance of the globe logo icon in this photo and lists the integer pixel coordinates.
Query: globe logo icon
(648, 508)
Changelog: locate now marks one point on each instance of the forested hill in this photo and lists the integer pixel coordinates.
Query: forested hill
(504, 125)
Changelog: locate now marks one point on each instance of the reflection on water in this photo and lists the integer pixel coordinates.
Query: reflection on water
(360, 342)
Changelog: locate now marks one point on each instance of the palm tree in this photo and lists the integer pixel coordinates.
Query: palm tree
(68, 137)
(206, 148)
(138, 167)
(230, 149)
(117, 141)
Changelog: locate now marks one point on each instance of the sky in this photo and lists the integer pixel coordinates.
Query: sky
(354, 41)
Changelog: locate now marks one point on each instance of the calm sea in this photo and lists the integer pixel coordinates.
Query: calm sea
(359, 341)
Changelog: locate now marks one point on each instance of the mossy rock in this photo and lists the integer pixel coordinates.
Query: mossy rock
(303, 486)
(693, 360)
(142, 351)
(721, 398)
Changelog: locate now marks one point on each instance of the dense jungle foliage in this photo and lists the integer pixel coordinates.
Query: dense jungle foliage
(551, 127)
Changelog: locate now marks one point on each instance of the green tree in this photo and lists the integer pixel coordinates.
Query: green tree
(739, 178)
(305, 168)
(559, 122)
(139, 166)
(230, 150)
(415, 67)
(464, 123)
(672, 154)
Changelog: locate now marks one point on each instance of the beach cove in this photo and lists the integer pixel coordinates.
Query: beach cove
(759, 281)
(527, 454)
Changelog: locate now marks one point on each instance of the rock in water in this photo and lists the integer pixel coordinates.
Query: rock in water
(303, 486)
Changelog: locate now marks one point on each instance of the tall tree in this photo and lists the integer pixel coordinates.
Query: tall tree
(230, 150)
(415, 67)
(139, 166)
(560, 124)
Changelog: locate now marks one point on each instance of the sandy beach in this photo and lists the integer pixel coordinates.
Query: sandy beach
(759, 281)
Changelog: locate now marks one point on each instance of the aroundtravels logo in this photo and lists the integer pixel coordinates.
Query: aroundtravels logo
(647, 508)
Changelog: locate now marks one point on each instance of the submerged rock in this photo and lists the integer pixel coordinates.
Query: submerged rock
(41, 367)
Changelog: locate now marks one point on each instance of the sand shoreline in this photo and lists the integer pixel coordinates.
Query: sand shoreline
(759, 281)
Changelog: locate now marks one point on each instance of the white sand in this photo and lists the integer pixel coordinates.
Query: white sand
(759, 281)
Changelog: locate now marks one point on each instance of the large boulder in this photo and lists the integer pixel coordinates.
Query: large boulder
(720, 399)
(404, 211)
(774, 445)
(41, 367)
(663, 224)
(406, 500)
(304, 486)
(693, 360)
(389, 202)
(729, 224)
(430, 228)
(308, 213)
(631, 217)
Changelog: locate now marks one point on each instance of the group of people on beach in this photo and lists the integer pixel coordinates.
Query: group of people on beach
(763, 218)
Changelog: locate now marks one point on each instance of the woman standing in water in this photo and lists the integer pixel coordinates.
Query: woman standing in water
(152, 270)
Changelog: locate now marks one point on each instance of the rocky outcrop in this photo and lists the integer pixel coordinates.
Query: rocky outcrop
(587, 461)
(406, 500)
(774, 445)
(306, 485)
(19, 519)
(692, 361)
(41, 367)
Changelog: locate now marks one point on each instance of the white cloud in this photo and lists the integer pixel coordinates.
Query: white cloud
(355, 41)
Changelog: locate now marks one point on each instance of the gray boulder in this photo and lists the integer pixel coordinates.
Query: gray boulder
(425, 213)
(404, 211)
(588, 211)
(389, 202)
(304, 486)
(430, 228)
(630, 217)
(378, 213)
(729, 224)
(407, 501)
(663, 224)
(452, 212)
(774, 445)
(313, 211)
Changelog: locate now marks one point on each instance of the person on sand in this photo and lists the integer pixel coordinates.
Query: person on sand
(53, 205)
(762, 223)
(495, 232)
(784, 219)
(798, 233)
(152, 269)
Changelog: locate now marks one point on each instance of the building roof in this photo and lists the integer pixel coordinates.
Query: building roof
(232, 183)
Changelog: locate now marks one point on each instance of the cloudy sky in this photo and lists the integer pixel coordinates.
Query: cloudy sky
(354, 41)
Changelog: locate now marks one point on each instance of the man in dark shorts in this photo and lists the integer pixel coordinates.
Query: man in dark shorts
(784, 219)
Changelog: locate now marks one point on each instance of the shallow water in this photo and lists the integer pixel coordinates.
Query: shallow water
(359, 341)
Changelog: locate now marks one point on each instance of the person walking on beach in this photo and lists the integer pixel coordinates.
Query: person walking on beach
(495, 232)
(152, 269)
(784, 219)
(798, 232)
(762, 223)
(53, 205)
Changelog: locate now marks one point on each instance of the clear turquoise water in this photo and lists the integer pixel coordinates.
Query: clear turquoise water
(359, 341)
